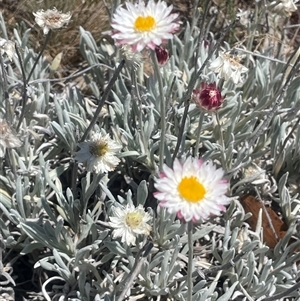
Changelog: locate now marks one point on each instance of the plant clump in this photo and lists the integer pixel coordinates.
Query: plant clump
(161, 164)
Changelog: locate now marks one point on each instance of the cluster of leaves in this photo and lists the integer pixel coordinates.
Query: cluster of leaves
(56, 214)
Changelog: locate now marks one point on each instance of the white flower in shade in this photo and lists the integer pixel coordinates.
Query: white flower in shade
(129, 222)
(285, 7)
(194, 189)
(8, 138)
(99, 153)
(7, 47)
(132, 58)
(144, 26)
(227, 67)
(51, 19)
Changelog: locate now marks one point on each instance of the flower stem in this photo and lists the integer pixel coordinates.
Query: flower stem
(162, 111)
(24, 89)
(223, 157)
(102, 100)
(201, 117)
(136, 96)
(12, 159)
(8, 116)
(181, 130)
(190, 262)
(40, 54)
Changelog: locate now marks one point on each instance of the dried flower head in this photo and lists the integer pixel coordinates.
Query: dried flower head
(208, 97)
(255, 175)
(51, 19)
(285, 7)
(129, 222)
(143, 25)
(132, 58)
(193, 190)
(8, 138)
(7, 47)
(244, 17)
(99, 153)
(227, 66)
(162, 54)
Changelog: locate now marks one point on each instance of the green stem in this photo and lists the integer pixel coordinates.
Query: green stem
(190, 262)
(223, 157)
(24, 89)
(201, 117)
(103, 98)
(12, 159)
(40, 54)
(8, 116)
(249, 30)
(136, 96)
(162, 111)
(194, 19)
(181, 130)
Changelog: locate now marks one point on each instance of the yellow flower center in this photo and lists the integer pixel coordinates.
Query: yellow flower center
(191, 189)
(98, 149)
(144, 23)
(133, 219)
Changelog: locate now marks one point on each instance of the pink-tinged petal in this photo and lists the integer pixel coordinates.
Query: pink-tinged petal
(194, 220)
(151, 45)
(200, 162)
(162, 174)
(180, 216)
(223, 181)
(124, 20)
(222, 208)
(183, 202)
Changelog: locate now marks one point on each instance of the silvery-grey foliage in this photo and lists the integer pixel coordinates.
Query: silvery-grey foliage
(61, 222)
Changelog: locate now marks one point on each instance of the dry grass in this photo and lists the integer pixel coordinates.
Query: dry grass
(91, 15)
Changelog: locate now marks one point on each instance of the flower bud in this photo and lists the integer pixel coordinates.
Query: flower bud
(162, 55)
(208, 97)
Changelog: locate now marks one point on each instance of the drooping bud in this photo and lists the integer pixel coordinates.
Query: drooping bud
(162, 55)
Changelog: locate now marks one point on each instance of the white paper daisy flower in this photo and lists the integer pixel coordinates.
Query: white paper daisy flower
(144, 26)
(51, 19)
(227, 67)
(194, 189)
(129, 222)
(99, 153)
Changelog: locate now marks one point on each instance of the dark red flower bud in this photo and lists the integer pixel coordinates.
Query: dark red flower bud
(208, 97)
(162, 55)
